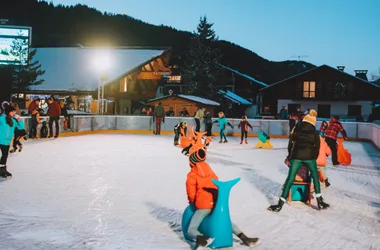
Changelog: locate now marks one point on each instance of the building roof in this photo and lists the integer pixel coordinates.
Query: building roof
(318, 67)
(188, 97)
(251, 79)
(234, 97)
(74, 69)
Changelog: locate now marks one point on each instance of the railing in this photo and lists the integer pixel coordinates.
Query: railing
(274, 128)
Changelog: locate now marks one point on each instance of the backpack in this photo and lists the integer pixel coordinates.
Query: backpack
(44, 130)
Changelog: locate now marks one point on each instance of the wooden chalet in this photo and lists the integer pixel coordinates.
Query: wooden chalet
(178, 102)
(330, 91)
(133, 74)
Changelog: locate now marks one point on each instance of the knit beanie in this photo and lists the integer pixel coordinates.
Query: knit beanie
(9, 109)
(311, 117)
(198, 156)
(4, 104)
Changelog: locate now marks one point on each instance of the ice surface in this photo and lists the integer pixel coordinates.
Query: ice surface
(128, 192)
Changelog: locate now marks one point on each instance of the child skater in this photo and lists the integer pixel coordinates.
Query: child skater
(8, 122)
(243, 125)
(179, 129)
(222, 120)
(324, 151)
(199, 179)
(323, 128)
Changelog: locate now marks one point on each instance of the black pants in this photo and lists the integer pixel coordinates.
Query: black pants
(334, 151)
(33, 131)
(176, 135)
(244, 134)
(208, 129)
(54, 119)
(197, 125)
(16, 141)
(4, 154)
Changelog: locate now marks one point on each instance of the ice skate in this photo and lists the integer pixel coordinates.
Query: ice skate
(321, 203)
(20, 149)
(241, 142)
(250, 242)
(246, 141)
(277, 208)
(202, 242)
(13, 150)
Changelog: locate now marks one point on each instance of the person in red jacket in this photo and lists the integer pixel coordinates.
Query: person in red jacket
(331, 134)
(202, 193)
(54, 113)
(33, 105)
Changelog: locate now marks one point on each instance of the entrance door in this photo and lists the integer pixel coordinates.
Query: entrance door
(292, 107)
(324, 110)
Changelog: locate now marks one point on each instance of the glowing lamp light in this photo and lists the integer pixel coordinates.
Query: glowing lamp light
(102, 61)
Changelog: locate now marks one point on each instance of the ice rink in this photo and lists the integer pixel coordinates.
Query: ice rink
(119, 191)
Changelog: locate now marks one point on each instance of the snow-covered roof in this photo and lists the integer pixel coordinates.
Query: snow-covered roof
(190, 98)
(251, 79)
(73, 68)
(234, 97)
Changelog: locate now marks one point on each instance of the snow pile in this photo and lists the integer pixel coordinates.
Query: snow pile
(128, 192)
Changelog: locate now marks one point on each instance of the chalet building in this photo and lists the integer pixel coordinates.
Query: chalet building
(239, 95)
(330, 91)
(178, 102)
(125, 75)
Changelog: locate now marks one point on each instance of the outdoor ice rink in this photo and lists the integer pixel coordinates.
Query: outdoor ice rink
(120, 191)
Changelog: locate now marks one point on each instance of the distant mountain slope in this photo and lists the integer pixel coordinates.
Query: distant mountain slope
(68, 26)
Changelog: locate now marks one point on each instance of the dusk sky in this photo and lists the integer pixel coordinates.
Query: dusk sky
(338, 32)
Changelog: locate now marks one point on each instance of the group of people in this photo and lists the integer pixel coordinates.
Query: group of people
(12, 128)
(309, 148)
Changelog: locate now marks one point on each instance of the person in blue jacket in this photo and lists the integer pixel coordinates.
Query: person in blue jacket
(9, 121)
(222, 120)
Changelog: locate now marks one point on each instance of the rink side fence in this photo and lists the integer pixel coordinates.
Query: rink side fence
(145, 125)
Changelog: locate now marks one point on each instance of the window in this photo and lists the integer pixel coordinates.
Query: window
(124, 85)
(340, 91)
(354, 110)
(175, 79)
(308, 89)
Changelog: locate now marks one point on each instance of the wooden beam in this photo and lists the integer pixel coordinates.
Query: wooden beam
(151, 75)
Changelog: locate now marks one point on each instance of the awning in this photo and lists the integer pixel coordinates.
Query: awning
(234, 97)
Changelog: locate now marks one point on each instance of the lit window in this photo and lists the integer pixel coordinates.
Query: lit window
(174, 78)
(124, 85)
(308, 89)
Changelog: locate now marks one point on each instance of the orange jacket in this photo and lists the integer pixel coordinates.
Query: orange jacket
(324, 151)
(198, 179)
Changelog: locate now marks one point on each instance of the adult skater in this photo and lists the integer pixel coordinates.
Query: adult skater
(331, 134)
(54, 113)
(158, 116)
(303, 148)
(8, 122)
(198, 116)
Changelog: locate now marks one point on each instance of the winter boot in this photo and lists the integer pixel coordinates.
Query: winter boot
(250, 242)
(225, 141)
(246, 141)
(321, 203)
(176, 143)
(20, 149)
(13, 150)
(4, 173)
(202, 242)
(277, 208)
(327, 183)
(220, 141)
(241, 142)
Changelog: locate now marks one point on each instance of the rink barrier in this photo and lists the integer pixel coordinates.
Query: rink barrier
(356, 131)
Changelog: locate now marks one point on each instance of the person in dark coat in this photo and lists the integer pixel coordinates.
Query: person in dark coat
(208, 123)
(158, 117)
(54, 113)
(179, 130)
(303, 148)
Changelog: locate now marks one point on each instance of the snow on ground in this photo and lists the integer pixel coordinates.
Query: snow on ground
(128, 192)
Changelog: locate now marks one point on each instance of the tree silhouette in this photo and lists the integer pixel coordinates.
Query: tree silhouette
(200, 68)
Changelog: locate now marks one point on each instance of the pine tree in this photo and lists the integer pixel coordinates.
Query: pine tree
(200, 69)
(25, 70)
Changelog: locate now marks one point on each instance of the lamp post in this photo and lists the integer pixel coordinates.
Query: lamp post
(101, 63)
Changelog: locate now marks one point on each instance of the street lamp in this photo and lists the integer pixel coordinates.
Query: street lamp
(101, 63)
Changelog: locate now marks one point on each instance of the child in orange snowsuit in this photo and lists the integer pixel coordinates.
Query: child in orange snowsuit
(202, 193)
(324, 151)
